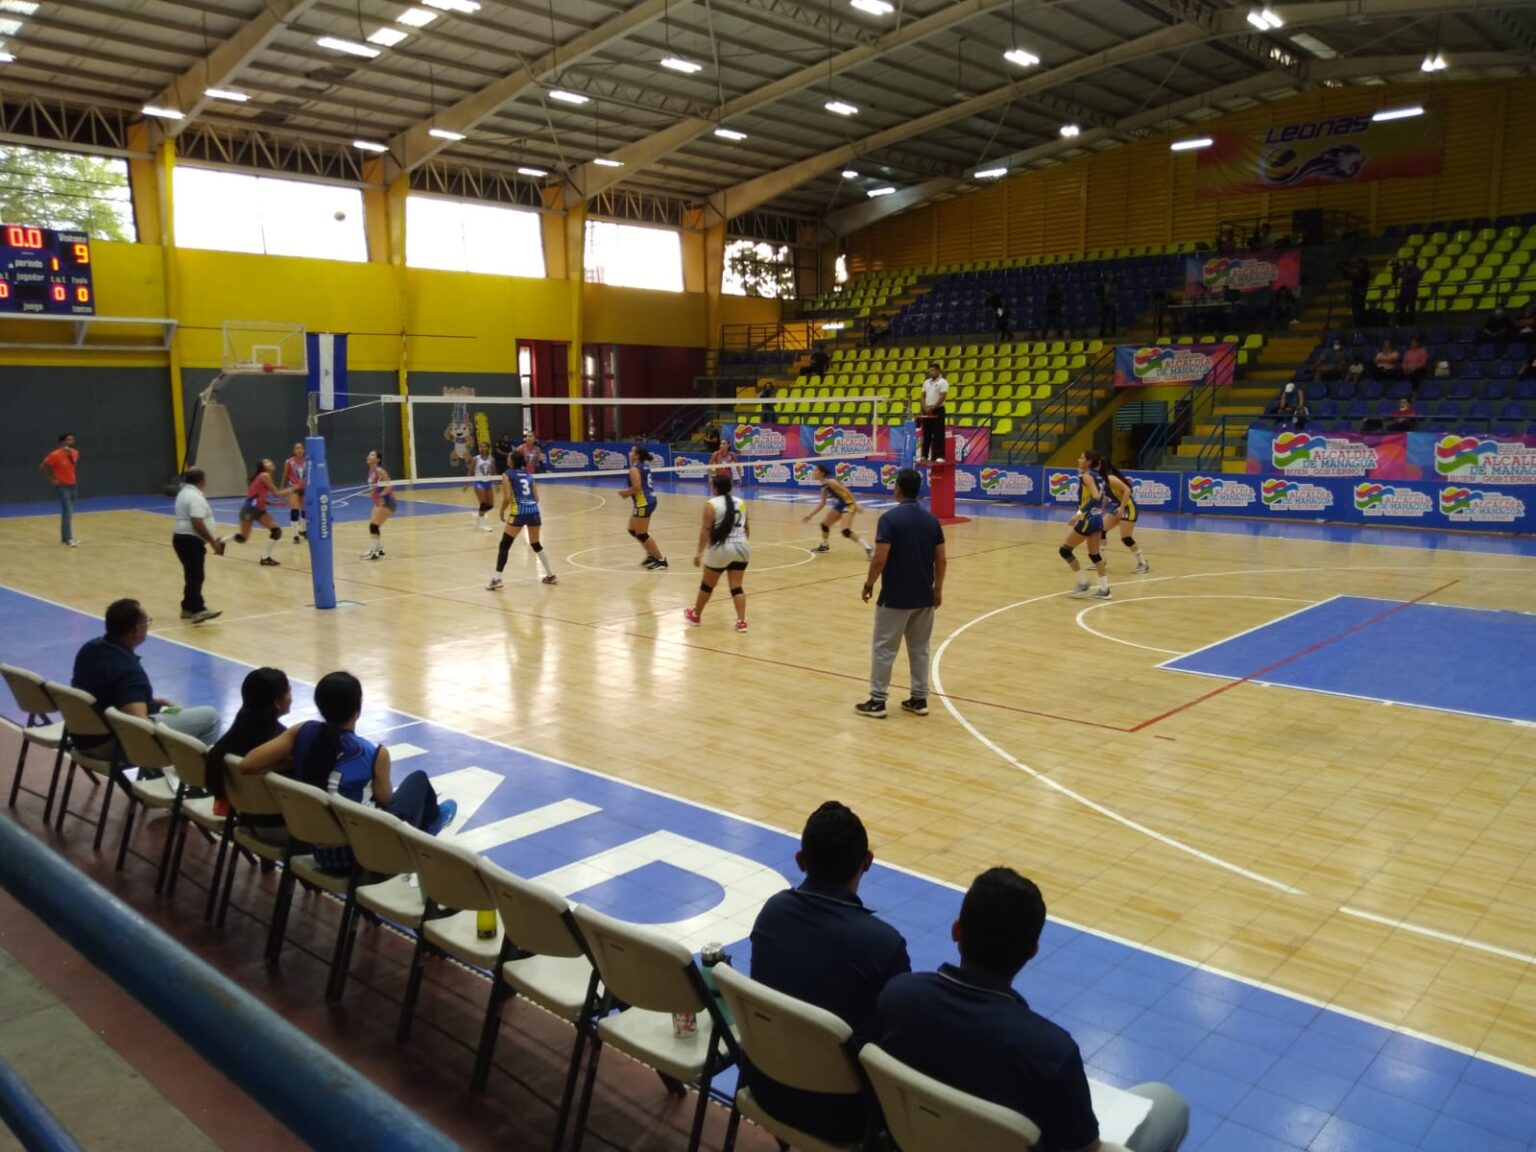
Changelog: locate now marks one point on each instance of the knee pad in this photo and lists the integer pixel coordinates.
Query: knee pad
(293, 515)
(847, 533)
(705, 588)
(484, 507)
(536, 546)
(1128, 541)
(635, 534)
(274, 533)
(1095, 558)
(239, 537)
(1066, 553)
(641, 536)
(738, 591)
(373, 529)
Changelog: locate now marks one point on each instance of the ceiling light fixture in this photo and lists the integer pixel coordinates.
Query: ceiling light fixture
(468, 7)
(990, 173)
(388, 37)
(536, 172)
(370, 146)
(350, 47)
(163, 113)
(730, 134)
(1397, 114)
(25, 7)
(873, 7)
(1020, 57)
(841, 108)
(416, 17)
(1070, 130)
(1434, 63)
(445, 134)
(1264, 19)
(1191, 144)
(567, 97)
(886, 191)
(607, 162)
(850, 174)
(678, 64)
(226, 94)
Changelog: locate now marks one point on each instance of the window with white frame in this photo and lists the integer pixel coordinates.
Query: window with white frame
(756, 268)
(238, 212)
(628, 256)
(464, 236)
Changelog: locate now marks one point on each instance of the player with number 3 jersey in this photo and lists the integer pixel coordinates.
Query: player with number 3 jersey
(520, 509)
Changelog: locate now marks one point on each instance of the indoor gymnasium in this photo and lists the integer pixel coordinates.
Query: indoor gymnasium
(649, 575)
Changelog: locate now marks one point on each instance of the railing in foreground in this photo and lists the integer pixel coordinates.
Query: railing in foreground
(319, 1098)
(28, 1118)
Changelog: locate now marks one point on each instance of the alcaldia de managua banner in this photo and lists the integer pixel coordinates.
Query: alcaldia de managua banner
(1177, 364)
(1327, 150)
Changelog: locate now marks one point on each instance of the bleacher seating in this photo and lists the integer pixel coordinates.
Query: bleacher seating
(1469, 266)
(861, 294)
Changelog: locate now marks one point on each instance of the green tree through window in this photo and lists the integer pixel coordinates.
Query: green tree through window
(67, 190)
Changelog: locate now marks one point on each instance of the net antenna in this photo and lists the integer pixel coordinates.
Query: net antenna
(250, 348)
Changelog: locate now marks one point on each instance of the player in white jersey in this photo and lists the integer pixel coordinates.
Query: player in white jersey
(723, 547)
(483, 469)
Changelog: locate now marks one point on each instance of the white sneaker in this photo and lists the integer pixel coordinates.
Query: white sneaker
(869, 551)
(1143, 566)
(1101, 593)
(72, 543)
(938, 459)
(373, 554)
(1080, 590)
(494, 585)
(484, 527)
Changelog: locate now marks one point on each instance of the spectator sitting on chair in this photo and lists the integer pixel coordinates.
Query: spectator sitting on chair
(818, 943)
(110, 670)
(818, 364)
(1334, 364)
(265, 698)
(965, 1026)
(1292, 406)
(1498, 328)
(1388, 361)
(1404, 417)
(1416, 362)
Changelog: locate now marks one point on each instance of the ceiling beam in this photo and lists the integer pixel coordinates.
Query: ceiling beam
(415, 145)
(588, 180)
(754, 193)
(187, 93)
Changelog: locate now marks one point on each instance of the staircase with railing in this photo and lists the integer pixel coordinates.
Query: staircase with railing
(1058, 416)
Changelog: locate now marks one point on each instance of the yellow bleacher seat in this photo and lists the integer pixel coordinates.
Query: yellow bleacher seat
(1002, 427)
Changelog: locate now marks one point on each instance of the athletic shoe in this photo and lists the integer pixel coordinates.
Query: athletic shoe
(1143, 566)
(373, 554)
(1101, 593)
(185, 615)
(938, 459)
(691, 616)
(741, 625)
(550, 579)
(648, 562)
(659, 565)
(822, 548)
(484, 527)
(494, 585)
(874, 709)
(869, 551)
(1080, 590)
(300, 535)
(446, 811)
(71, 543)
(915, 706)
(205, 615)
(270, 562)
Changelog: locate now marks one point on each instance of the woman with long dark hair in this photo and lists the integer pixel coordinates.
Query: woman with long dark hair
(642, 496)
(1122, 511)
(254, 510)
(1088, 524)
(383, 494)
(265, 698)
(723, 547)
(329, 754)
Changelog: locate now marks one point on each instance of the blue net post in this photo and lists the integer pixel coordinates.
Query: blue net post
(317, 507)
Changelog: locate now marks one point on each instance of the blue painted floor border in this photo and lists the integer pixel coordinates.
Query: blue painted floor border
(1264, 1071)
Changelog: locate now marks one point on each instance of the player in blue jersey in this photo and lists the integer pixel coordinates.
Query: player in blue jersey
(643, 498)
(835, 492)
(520, 509)
(1088, 524)
(1122, 511)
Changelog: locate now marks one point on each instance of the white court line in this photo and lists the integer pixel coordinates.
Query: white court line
(1138, 599)
(399, 752)
(1250, 631)
(1436, 934)
(1358, 696)
(684, 567)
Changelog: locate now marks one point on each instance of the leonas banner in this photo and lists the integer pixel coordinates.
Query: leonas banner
(1253, 272)
(1311, 153)
(1186, 364)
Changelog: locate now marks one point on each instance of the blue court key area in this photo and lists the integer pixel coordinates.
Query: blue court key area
(1467, 660)
(1263, 1071)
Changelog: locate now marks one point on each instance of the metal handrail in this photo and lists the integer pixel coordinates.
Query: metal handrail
(769, 337)
(28, 1118)
(1214, 448)
(1058, 407)
(1185, 411)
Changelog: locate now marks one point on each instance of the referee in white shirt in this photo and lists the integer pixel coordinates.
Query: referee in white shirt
(191, 537)
(935, 388)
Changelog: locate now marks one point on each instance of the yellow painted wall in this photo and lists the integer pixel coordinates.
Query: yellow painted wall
(1143, 194)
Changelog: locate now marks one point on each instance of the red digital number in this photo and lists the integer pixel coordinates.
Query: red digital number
(59, 293)
(83, 295)
(5, 290)
(18, 237)
(82, 253)
(53, 264)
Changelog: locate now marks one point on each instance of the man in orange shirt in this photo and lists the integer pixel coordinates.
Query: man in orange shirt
(59, 467)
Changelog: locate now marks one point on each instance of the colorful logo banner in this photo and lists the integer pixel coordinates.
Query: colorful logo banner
(1316, 153)
(1177, 364)
(1334, 454)
(595, 455)
(1255, 272)
(1504, 460)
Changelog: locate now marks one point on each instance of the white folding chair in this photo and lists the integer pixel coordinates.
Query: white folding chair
(249, 796)
(98, 758)
(31, 693)
(795, 1043)
(140, 741)
(189, 760)
(649, 978)
(925, 1115)
(547, 964)
(378, 845)
(310, 821)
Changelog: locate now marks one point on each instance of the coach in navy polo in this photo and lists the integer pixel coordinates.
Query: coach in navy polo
(966, 1026)
(818, 943)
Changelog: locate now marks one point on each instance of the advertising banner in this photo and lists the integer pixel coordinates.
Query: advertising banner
(1473, 460)
(1179, 364)
(984, 482)
(1423, 504)
(765, 441)
(594, 455)
(1254, 272)
(1315, 153)
(1428, 456)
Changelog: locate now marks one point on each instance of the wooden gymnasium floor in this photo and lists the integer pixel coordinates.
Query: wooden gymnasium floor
(1371, 857)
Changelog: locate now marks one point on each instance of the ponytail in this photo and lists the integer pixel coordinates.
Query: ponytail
(720, 531)
(339, 698)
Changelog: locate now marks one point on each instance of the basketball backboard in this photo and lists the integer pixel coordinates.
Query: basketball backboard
(264, 347)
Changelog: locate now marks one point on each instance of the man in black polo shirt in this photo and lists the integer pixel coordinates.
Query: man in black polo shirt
(909, 563)
(109, 669)
(819, 944)
(967, 1027)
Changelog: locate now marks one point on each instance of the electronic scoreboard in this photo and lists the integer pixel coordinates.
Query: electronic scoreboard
(45, 272)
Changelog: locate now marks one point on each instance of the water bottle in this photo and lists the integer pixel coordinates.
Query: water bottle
(485, 924)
